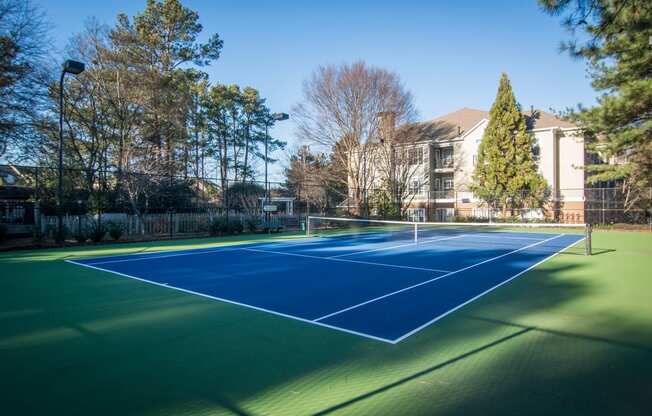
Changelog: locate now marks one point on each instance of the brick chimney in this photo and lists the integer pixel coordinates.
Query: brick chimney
(386, 125)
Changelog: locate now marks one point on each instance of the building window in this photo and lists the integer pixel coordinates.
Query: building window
(444, 214)
(536, 151)
(415, 188)
(443, 158)
(444, 183)
(416, 214)
(415, 156)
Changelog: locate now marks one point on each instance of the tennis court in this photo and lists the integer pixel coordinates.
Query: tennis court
(380, 280)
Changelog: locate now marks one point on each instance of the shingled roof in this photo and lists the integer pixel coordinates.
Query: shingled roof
(457, 123)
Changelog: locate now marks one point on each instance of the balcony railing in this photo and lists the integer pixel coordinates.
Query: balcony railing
(443, 163)
(442, 194)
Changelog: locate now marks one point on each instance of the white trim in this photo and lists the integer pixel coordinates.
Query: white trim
(439, 145)
(475, 126)
(434, 279)
(485, 224)
(284, 315)
(361, 220)
(502, 237)
(346, 260)
(448, 312)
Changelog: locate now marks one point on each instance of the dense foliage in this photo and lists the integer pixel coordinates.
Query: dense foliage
(143, 125)
(506, 174)
(613, 37)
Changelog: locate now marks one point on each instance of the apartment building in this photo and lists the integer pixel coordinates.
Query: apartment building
(445, 150)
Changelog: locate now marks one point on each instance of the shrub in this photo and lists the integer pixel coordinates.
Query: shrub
(223, 226)
(96, 231)
(116, 230)
(38, 236)
(80, 236)
(3, 232)
(219, 226)
(251, 224)
(235, 226)
(52, 231)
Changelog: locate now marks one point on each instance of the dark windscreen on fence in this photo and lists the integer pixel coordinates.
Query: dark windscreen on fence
(136, 205)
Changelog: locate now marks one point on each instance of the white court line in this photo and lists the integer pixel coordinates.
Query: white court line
(236, 303)
(314, 322)
(212, 250)
(432, 280)
(502, 236)
(432, 321)
(345, 260)
(392, 247)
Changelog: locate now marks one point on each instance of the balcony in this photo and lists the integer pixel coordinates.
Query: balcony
(443, 195)
(443, 161)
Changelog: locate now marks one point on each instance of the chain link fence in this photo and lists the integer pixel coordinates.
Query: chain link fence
(130, 206)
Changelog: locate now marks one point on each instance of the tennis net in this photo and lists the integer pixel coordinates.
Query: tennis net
(453, 233)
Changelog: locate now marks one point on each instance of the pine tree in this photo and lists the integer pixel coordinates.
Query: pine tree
(613, 36)
(506, 174)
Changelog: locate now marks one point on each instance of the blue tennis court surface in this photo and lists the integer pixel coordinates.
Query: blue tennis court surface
(366, 284)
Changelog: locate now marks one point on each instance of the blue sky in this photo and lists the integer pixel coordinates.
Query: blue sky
(449, 54)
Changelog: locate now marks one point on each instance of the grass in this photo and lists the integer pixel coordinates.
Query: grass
(573, 336)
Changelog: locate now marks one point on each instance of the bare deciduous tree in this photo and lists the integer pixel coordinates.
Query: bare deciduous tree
(341, 112)
(307, 177)
(24, 71)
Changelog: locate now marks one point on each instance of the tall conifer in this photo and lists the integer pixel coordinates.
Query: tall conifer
(506, 174)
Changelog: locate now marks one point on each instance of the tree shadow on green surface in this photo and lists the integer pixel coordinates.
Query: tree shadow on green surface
(421, 373)
(131, 348)
(599, 251)
(535, 370)
(585, 337)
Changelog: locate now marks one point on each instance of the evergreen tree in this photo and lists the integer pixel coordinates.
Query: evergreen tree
(615, 41)
(506, 174)
(159, 43)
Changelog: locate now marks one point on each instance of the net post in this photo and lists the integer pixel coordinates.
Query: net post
(587, 239)
(415, 232)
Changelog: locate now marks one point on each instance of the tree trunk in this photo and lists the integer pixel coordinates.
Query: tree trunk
(245, 166)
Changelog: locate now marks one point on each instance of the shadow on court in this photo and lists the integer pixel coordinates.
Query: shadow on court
(73, 341)
(533, 368)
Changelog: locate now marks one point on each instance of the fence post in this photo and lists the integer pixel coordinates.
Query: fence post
(603, 212)
(170, 222)
(587, 239)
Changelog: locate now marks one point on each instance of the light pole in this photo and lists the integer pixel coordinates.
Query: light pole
(69, 67)
(274, 117)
